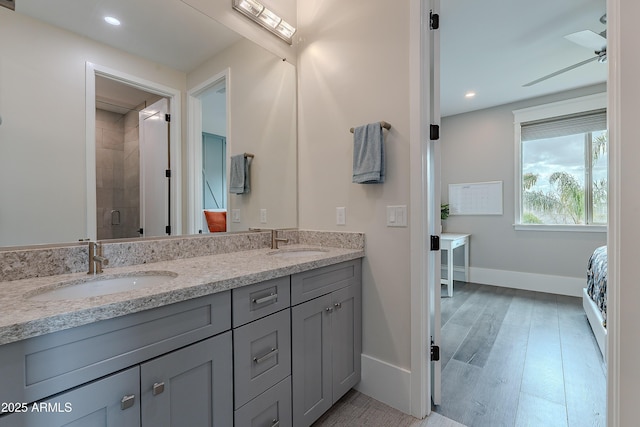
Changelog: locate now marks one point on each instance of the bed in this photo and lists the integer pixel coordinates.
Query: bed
(594, 299)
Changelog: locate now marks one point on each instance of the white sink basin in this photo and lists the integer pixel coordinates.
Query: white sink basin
(297, 252)
(96, 286)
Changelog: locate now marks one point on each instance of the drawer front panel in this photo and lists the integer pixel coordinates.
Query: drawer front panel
(55, 362)
(262, 355)
(262, 299)
(314, 283)
(271, 408)
(113, 401)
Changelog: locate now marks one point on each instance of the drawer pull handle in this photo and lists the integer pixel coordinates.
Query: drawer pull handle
(158, 388)
(276, 423)
(338, 305)
(269, 355)
(271, 297)
(127, 401)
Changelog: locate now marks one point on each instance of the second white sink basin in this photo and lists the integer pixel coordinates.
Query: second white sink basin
(297, 252)
(96, 286)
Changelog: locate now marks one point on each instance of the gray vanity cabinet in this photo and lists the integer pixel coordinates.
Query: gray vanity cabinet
(108, 371)
(326, 338)
(189, 387)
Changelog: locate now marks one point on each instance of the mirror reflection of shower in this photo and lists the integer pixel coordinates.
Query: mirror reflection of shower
(121, 114)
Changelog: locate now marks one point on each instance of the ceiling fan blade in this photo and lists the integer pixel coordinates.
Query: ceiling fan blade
(588, 39)
(564, 70)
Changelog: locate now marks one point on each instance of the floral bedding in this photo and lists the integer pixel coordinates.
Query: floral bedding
(597, 280)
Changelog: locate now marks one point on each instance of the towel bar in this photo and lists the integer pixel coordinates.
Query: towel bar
(384, 124)
(249, 155)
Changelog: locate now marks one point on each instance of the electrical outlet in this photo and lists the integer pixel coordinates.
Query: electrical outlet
(235, 215)
(263, 216)
(341, 216)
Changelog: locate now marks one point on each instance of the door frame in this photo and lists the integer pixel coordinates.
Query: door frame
(91, 70)
(419, 310)
(194, 147)
(422, 214)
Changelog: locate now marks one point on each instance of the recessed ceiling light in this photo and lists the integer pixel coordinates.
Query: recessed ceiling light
(111, 20)
(469, 94)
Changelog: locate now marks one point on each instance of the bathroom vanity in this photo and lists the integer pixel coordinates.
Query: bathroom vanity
(274, 345)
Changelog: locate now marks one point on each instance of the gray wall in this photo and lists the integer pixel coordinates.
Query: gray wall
(478, 147)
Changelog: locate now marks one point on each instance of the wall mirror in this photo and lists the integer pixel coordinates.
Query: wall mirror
(45, 137)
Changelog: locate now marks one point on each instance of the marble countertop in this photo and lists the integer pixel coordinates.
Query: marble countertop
(22, 318)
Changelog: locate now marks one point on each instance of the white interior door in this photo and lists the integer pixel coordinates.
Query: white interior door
(433, 172)
(154, 162)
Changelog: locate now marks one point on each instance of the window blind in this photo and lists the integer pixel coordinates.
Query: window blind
(590, 121)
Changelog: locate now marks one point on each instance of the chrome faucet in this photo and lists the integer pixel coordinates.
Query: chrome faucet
(96, 260)
(275, 239)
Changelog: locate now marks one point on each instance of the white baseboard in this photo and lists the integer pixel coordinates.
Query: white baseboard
(561, 285)
(386, 383)
(458, 272)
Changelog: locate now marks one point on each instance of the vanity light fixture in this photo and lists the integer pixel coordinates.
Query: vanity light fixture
(258, 13)
(111, 20)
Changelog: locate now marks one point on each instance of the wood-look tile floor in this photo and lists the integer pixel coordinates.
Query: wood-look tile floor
(519, 358)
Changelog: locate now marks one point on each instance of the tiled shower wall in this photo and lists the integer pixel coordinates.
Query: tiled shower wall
(117, 174)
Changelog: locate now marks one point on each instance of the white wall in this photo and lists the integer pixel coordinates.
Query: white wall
(353, 70)
(262, 91)
(478, 147)
(42, 137)
(214, 112)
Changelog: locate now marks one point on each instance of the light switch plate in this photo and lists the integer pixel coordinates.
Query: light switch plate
(341, 216)
(235, 215)
(263, 216)
(397, 216)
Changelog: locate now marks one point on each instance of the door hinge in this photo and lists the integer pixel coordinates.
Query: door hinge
(167, 230)
(167, 173)
(167, 117)
(434, 132)
(435, 353)
(435, 243)
(434, 21)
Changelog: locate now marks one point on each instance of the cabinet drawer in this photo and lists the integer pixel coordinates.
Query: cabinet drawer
(46, 365)
(255, 301)
(271, 408)
(113, 401)
(314, 283)
(262, 355)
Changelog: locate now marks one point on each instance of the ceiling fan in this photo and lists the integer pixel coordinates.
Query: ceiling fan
(590, 40)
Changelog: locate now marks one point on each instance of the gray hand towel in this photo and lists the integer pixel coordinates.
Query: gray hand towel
(239, 175)
(368, 154)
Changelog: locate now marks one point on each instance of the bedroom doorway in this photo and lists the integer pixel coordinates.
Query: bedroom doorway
(548, 267)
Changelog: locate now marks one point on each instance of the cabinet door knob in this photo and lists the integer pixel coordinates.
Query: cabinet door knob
(337, 305)
(328, 309)
(127, 401)
(158, 388)
(269, 355)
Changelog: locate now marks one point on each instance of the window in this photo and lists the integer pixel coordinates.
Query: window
(562, 170)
